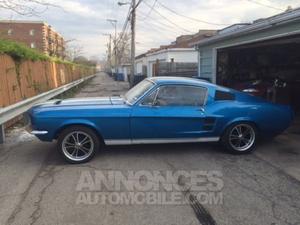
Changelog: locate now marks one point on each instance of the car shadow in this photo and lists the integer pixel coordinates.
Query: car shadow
(177, 148)
(147, 151)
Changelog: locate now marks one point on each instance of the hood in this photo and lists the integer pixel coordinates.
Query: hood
(83, 101)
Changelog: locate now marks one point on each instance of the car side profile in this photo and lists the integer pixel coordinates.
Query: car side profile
(159, 110)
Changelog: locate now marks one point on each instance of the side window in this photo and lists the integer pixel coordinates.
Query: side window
(32, 45)
(32, 32)
(181, 95)
(222, 95)
(149, 100)
(10, 31)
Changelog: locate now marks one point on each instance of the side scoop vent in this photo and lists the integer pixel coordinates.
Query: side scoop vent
(208, 123)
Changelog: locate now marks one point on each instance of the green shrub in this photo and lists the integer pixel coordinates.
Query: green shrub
(19, 51)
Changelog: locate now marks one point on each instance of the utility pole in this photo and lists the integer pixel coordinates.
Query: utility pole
(115, 48)
(134, 5)
(109, 51)
(133, 20)
(114, 23)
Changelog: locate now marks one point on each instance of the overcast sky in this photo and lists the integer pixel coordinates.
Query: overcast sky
(85, 20)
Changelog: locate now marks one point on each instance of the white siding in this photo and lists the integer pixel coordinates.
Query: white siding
(184, 57)
(187, 55)
(139, 67)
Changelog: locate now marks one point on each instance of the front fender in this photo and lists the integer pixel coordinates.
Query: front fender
(72, 122)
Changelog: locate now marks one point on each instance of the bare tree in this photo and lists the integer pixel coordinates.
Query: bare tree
(26, 7)
(123, 49)
(73, 51)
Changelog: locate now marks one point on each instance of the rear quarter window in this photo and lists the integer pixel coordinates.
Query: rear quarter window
(223, 95)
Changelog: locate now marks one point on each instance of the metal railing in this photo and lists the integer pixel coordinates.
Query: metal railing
(19, 108)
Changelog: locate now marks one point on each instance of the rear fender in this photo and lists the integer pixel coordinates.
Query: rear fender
(239, 120)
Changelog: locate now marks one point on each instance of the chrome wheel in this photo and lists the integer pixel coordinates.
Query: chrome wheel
(242, 137)
(77, 146)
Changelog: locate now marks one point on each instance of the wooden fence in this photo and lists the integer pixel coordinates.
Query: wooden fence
(21, 80)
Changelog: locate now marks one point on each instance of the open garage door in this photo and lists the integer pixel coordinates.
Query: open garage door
(269, 69)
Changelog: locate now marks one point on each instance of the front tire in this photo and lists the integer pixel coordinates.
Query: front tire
(78, 144)
(240, 138)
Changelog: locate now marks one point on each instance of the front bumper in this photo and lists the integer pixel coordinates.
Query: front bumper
(29, 129)
(39, 132)
(42, 134)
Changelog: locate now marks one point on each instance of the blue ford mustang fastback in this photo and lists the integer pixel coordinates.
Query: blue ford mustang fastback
(159, 110)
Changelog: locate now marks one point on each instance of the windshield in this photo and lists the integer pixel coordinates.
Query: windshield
(137, 91)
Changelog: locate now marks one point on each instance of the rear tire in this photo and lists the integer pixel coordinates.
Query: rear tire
(78, 144)
(240, 138)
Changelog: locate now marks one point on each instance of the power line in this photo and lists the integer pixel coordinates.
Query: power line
(265, 5)
(150, 11)
(157, 28)
(162, 25)
(191, 18)
(125, 25)
(137, 4)
(170, 21)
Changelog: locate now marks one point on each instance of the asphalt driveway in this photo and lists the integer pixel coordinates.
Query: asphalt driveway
(38, 187)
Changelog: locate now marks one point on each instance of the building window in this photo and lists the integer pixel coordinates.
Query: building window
(32, 45)
(31, 32)
(10, 31)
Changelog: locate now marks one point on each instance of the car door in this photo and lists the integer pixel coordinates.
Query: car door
(169, 113)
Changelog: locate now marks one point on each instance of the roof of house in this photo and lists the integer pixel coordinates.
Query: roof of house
(182, 42)
(140, 56)
(257, 25)
(23, 21)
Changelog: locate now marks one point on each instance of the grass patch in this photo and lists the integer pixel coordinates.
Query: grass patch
(19, 51)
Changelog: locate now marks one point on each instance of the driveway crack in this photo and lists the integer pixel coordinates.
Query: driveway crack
(25, 194)
(49, 173)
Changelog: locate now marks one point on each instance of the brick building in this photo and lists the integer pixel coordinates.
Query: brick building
(35, 34)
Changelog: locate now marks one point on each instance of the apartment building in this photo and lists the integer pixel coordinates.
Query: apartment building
(35, 34)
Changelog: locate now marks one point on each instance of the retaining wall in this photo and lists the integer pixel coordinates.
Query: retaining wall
(21, 80)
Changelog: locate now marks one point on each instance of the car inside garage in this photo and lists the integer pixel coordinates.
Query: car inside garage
(268, 69)
(261, 58)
